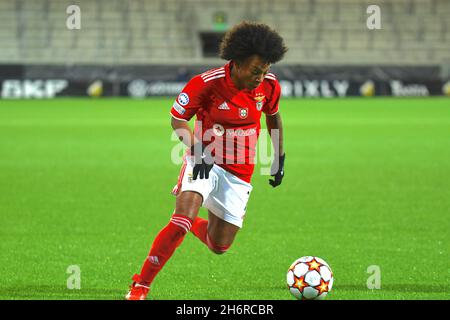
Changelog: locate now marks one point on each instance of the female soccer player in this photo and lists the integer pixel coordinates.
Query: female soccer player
(228, 102)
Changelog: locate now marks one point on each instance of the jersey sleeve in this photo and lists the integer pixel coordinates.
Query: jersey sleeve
(271, 107)
(189, 100)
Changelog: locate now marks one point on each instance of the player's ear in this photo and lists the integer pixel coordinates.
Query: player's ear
(238, 65)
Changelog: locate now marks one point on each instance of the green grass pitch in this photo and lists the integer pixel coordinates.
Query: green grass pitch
(87, 183)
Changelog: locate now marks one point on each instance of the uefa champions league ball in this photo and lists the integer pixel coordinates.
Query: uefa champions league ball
(309, 278)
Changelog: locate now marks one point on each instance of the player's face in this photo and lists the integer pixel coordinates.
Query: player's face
(251, 72)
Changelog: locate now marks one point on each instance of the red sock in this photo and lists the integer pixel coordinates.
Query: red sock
(200, 229)
(164, 245)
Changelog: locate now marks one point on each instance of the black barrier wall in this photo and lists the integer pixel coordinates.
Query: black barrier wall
(41, 81)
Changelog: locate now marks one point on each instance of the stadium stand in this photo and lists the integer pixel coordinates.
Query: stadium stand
(167, 31)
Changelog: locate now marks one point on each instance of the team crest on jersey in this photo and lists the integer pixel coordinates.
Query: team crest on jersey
(259, 105)
(243, 113)
(259, 100)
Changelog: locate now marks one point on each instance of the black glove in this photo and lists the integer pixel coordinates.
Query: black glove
(277, 171)
(203, 161)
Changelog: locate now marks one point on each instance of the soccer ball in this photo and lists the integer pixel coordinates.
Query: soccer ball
(309, 278)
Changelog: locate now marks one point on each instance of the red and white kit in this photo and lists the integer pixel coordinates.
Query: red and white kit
(229, 119)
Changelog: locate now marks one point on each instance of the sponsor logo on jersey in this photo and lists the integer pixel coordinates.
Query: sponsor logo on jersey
(183, 99)
(243, 113)
(241, 132)
(224, 106)
(218, 129)
(178, 108)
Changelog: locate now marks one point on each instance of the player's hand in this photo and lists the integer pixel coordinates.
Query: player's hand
(277, 171)
(203, 161)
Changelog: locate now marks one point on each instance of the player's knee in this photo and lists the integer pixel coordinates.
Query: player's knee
(217, 249)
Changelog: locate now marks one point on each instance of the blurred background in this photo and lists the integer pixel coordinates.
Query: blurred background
(145, 48)
(85, 178)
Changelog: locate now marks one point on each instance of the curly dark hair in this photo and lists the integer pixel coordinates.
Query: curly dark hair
(248, 38)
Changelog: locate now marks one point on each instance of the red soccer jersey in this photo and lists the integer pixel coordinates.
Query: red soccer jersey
(227, 117)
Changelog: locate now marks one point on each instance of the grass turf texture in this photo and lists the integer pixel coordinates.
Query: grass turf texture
(87, 183)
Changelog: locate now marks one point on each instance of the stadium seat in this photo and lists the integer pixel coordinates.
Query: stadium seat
(165, 31)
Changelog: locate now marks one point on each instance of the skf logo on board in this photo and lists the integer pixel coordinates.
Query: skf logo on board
(38, 89)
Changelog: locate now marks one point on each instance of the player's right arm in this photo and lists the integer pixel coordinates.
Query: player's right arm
(185, 106)
(188, 102)
(203, 160)
(183, 131)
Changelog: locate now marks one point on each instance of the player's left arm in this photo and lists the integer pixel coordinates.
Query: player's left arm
(275, 128)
